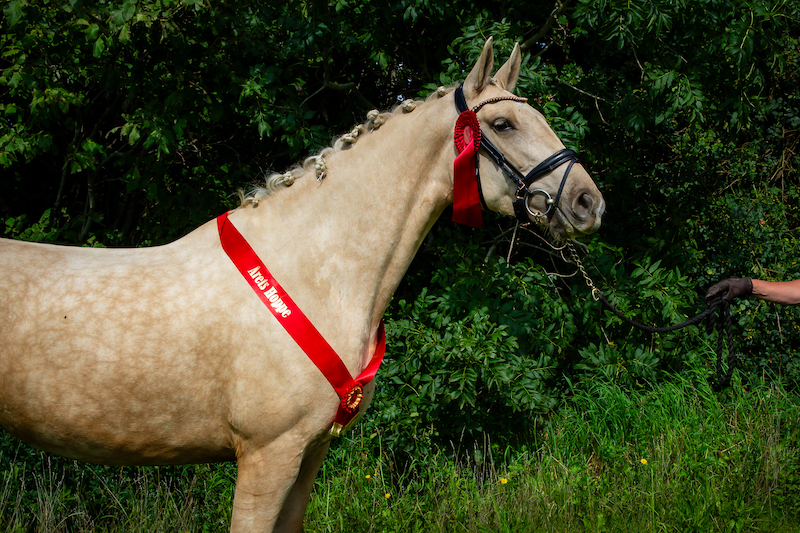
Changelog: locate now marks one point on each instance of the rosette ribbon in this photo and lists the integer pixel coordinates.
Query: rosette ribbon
(466, 196)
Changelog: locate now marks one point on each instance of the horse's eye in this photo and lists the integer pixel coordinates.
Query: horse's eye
(502, 124)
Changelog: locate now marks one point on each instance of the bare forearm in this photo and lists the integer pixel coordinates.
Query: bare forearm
(780, 292)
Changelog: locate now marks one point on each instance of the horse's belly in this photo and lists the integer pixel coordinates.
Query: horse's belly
(111, 413)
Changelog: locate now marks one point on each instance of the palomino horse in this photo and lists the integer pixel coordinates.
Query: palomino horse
(165, 355)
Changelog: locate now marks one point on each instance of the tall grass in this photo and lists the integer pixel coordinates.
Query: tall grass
(675, 457)
(48, 494)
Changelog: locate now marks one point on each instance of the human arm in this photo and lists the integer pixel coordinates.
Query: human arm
(779, 292)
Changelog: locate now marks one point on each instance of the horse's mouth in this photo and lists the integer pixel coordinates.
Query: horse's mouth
(563, 227)
(570, 220)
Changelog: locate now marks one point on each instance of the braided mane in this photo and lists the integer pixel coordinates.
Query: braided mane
(316, 163)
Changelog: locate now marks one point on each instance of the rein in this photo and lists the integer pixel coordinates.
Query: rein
(717, 304)
(522, 210)
(300, 328)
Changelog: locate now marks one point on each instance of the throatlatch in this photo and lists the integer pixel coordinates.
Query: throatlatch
(467, 179)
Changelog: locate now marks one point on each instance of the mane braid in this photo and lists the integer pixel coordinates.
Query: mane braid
(316, 163)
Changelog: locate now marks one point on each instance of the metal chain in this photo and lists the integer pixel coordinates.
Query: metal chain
(589, 283)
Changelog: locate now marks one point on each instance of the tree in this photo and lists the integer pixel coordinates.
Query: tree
(138, 120)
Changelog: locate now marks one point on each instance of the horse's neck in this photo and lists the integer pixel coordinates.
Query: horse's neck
(340, 246)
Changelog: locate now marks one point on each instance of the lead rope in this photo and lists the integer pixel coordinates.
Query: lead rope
(722, 324)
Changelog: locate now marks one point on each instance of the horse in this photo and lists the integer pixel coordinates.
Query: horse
(168, 355)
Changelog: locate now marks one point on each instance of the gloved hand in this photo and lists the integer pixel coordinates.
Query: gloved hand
(735, 288)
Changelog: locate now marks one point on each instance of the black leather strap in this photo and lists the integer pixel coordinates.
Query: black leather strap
(461, 102)
(522, 181)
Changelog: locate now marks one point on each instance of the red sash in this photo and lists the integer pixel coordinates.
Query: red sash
(350, 391)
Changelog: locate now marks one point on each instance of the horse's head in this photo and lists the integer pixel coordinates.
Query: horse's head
(518, 173)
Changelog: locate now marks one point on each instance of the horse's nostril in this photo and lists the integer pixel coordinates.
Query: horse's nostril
(584, 205)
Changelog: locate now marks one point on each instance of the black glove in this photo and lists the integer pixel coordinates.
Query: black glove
(735, 288)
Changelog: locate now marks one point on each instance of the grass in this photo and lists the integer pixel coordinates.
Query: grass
(676, 457)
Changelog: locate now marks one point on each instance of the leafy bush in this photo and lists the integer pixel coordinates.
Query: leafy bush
(472, 352)
(131, 123)
(754, 235)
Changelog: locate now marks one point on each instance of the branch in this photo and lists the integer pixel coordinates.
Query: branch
(339, 86)
(65, 169)
(351, 86)
(559, 80)
(560, 7)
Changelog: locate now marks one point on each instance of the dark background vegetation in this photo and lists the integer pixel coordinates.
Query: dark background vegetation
(130, 123)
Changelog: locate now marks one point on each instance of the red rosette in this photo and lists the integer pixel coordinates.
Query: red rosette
(468, 131)
(466, 198)
(352, 399)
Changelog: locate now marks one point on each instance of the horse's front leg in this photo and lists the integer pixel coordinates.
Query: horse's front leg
(264, 479)
(293, 512)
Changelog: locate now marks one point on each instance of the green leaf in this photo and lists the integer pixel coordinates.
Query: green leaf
(99, 47)
(14, 11)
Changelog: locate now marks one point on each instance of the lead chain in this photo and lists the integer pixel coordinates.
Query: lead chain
(589, 283)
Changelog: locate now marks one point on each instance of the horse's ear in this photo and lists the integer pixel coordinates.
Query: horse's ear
(507, 75)
(479, 76)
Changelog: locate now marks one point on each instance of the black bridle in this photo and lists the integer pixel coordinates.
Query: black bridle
(523, 181)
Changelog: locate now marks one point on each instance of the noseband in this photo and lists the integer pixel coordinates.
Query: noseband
(523, 181)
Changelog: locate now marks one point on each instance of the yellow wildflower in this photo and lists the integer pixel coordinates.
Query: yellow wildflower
(643, 461)
(503, 481)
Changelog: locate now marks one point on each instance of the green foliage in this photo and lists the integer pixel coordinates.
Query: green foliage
(649, 294)
(476, 347)
(756, 231)
(131, 123)
(690, 63)
(119, 107)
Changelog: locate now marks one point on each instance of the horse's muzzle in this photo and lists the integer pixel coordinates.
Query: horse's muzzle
(584, 212)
